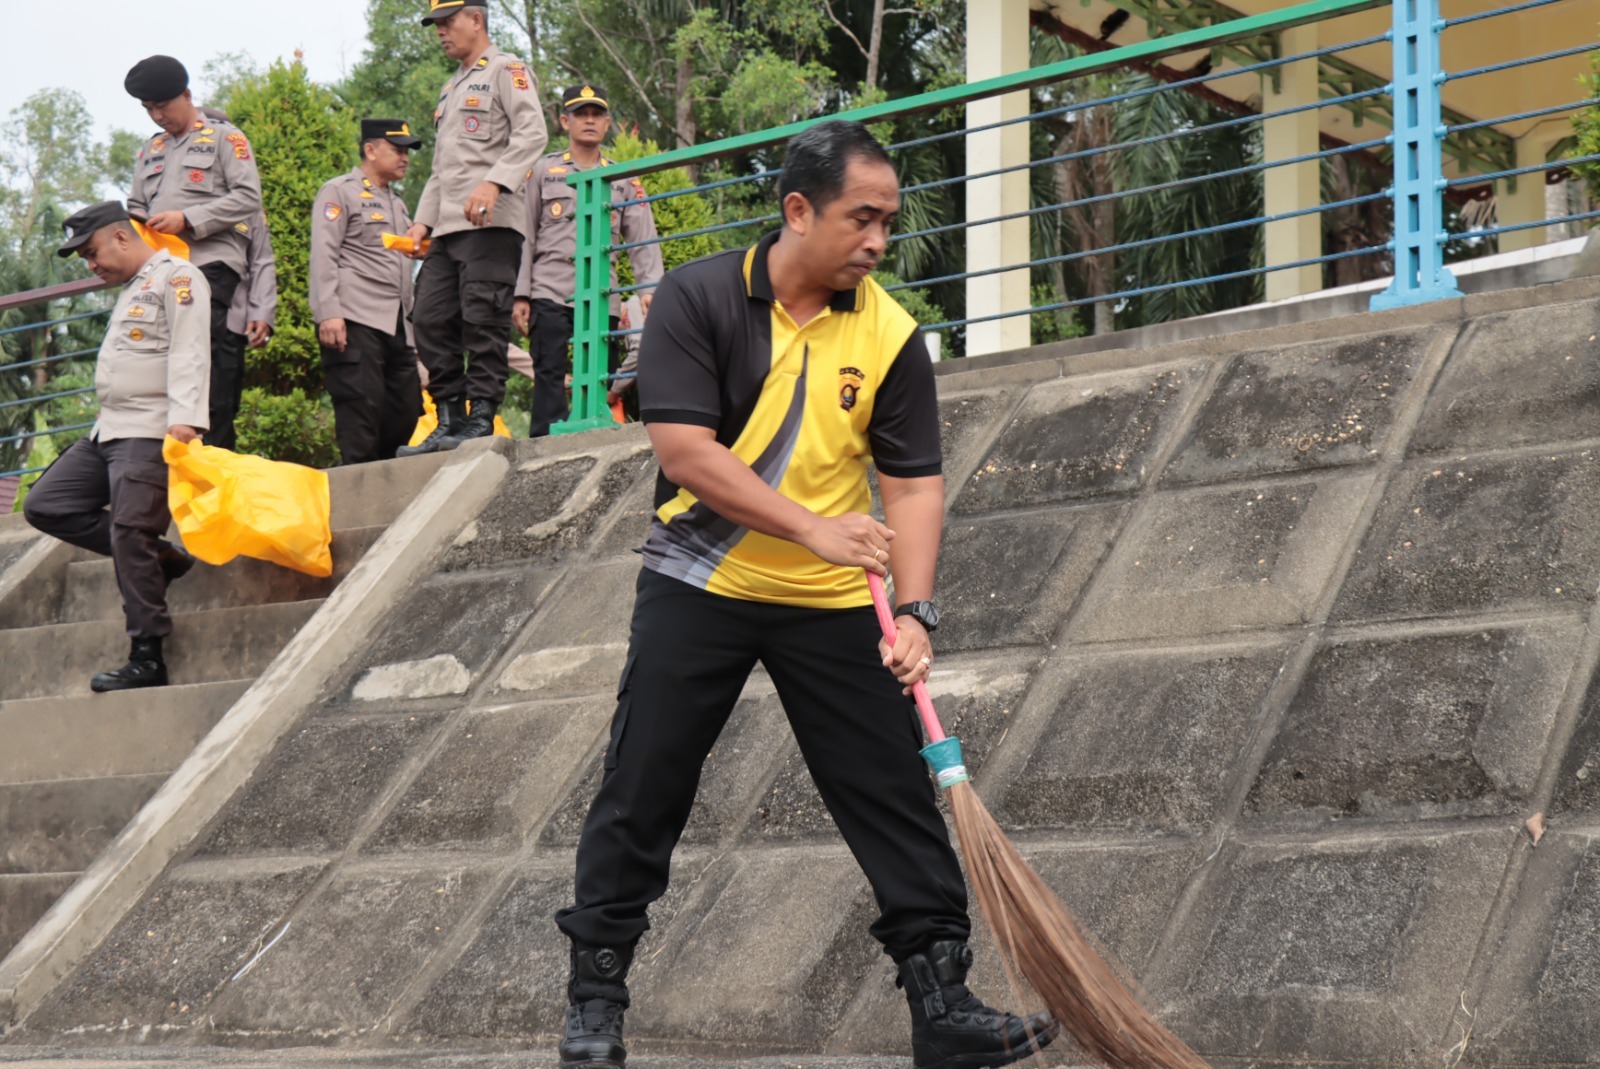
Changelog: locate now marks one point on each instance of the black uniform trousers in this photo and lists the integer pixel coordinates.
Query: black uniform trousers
(375, 389)
(550, 337)
(227, 358)
(688, 657)
(464, 295)
(111, 498)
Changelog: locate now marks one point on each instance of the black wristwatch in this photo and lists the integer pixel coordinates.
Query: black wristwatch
(923, 612)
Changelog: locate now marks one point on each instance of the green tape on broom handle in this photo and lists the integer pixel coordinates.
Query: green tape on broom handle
(942, 753)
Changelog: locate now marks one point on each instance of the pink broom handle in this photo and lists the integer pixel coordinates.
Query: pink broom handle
(880, 601)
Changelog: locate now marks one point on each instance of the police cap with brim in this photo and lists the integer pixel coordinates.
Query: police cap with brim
(394, 131)
(443, 9)
(156, 79)
(80, 226)
(576, 96)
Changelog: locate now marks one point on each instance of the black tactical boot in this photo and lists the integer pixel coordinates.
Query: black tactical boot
(950, 1028)
(597, 995)
(478, 424)
(451, 412)
(176, 561)
(145, 668)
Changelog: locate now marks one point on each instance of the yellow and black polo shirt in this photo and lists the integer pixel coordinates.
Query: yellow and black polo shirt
(805, 407)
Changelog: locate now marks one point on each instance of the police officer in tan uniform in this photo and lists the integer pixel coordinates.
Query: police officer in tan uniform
(547, 280)
(361, 298)
(108, 492)
(255, 302)
(197, 179)
(490, 133)
(254, 310)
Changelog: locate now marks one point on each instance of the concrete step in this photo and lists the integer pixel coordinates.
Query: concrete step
(205, 647)
(63, 825)
(91, 583)
(120, 734)
(367, 495)
(24, 899)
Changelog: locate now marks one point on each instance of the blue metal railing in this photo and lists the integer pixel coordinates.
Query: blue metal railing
(30, 394)
(1418, 231)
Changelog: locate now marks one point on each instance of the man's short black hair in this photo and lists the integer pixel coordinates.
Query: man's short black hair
(816, 159)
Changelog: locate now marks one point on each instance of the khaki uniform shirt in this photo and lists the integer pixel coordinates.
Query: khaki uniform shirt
(490, 129)
(352, 275)
(256, 298)
(208, 174)
(154, 369)
(547, 272)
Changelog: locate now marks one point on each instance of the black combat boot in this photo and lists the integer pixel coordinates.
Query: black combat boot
(950, 1028)
(479, 423)
(145, 668)
(451, 413)
(176, 562)
(597, 995)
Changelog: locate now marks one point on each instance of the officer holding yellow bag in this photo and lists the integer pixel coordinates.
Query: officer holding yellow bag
(108, 492)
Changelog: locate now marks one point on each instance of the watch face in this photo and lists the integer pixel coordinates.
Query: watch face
(928, 615)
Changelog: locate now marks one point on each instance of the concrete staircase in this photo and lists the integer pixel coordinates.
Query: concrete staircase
(75, 766)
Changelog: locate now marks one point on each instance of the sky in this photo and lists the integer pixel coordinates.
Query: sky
(88, 45)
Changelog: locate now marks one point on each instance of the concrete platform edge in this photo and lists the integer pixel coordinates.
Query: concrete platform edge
(225, 758)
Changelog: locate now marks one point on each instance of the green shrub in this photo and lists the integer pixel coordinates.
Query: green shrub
(1586, 125)
(288, 426)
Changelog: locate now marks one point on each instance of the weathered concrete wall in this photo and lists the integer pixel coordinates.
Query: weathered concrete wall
(1263, 646)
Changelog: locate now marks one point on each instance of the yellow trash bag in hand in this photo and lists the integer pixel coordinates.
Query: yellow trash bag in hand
(430, 420)
(230, 504)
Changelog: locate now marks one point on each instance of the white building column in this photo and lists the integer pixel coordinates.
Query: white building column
(997, 43)
(1298, 185)
(1525, 203)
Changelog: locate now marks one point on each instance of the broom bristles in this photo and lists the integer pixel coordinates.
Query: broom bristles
(1041, 944)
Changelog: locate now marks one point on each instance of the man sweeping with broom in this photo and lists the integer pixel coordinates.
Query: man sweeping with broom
(768, 378)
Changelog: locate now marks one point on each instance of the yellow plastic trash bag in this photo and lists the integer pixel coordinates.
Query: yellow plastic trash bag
(231, 504)
(430, 420)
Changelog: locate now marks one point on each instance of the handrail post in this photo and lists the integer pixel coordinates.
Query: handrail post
(1419, 271)
(590, 308)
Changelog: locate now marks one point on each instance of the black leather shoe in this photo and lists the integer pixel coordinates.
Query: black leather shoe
(950, 1028)
(479, 423)
(451, 413)
(176, 562)
(145, 668)
(597, 995)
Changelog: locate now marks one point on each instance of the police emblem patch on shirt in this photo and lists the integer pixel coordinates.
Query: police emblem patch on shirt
(136, 334)
(555, 207)
(850, 381)
(331, 212)
(377, 217)
(472, 124)
(556, 170)
(136, 312)
(185, 295)
(197, 176)
(204, 141)
(241, 146)
(367, 196)
(519, 81)
(473, 102)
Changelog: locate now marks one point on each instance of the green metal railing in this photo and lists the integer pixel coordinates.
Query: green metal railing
(590, 304)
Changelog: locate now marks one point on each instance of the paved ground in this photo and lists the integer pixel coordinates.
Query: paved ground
(432, 1058)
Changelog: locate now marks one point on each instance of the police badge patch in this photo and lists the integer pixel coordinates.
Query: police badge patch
(331, 212)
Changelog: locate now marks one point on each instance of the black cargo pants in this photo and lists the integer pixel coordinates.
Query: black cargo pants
(375, 390)
(688, 657)
(111, 498)
(462, 318)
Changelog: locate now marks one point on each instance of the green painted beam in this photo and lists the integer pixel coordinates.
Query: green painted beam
(1485, 149)
(1144, 52)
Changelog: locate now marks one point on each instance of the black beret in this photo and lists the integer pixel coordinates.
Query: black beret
(157, 79)
(80, 226)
